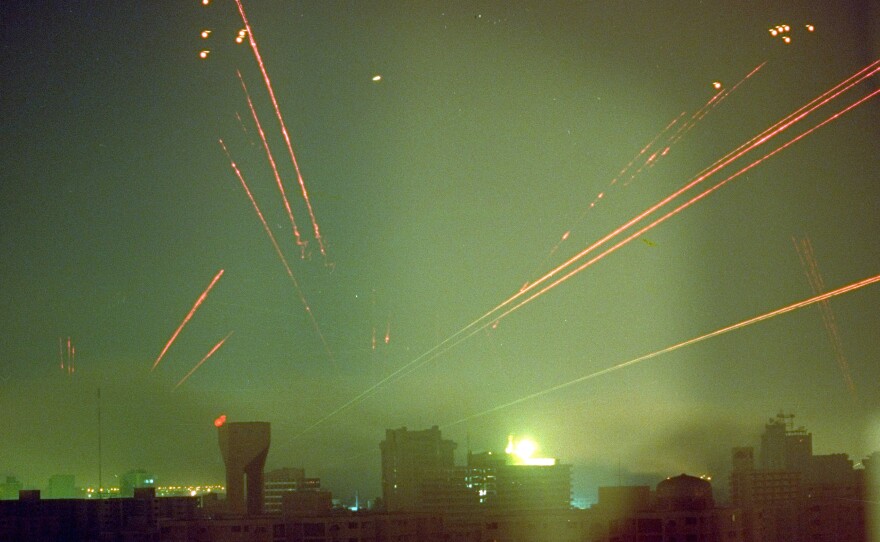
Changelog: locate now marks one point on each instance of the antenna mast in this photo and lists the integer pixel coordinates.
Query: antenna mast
(100, 463)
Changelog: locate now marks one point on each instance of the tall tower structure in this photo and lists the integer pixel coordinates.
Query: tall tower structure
(244, 446)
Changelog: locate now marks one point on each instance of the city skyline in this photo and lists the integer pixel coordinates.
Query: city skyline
(521, 450)
(453, 155)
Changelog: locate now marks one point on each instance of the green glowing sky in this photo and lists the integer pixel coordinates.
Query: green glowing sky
(439, 190)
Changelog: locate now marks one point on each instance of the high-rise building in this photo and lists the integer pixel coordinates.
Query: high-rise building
(244, 446)
(516, 480)
(482, 474)
(784, 447)
(410, 459)
(280, 482)
(743, 459)
(794, 495)
(419, 475)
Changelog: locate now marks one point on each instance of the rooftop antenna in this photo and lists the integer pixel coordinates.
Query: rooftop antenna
(787, 419)
(100, 464)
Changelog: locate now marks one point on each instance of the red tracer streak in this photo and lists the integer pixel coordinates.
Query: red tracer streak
(733, 327)
(299, 177)
(204, 359)
(299, 241)
(277, 248)
(188, 316)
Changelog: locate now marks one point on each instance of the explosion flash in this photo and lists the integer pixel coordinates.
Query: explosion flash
(299, 177)
(758, 140)
(203, 360)
(733, 327)
(296, 235)
(807, 257)
(189, 315)
(277, 248)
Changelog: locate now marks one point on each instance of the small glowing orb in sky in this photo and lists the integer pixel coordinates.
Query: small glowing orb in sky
(204, 54)
(810, 28)
(786, 39)
(206, 33)
(239, 39)
(773, 31)
(377, 77)
(717, 85)
(221, 419)
(206, 2)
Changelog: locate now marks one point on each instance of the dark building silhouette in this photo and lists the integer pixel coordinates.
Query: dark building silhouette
(504, 485)
(784, 447)
(279, 483)
(134, 479)
(136, 519)
(306, 501)
(410, 461)
(244, 446)
(796, 496)
(683, 508)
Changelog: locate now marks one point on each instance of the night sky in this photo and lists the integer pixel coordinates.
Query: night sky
(439, 189)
